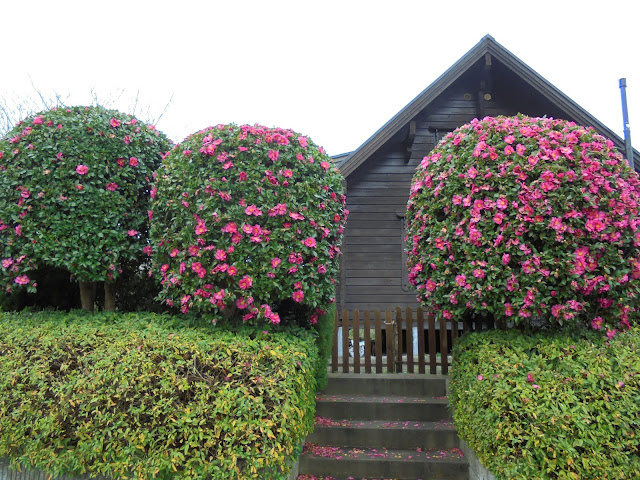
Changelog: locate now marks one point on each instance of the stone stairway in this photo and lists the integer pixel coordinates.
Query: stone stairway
(391, 426)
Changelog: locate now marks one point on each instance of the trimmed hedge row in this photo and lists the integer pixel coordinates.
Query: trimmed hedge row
(550, 405)
(149, 396)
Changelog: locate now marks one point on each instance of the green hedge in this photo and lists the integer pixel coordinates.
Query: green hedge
(550, 406)
(147, 396)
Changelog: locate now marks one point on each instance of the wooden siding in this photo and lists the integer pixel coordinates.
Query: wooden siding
(377, 195)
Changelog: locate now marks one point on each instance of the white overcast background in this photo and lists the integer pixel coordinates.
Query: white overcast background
(333, 70)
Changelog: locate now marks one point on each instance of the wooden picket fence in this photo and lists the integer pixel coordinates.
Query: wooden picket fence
(379, 342)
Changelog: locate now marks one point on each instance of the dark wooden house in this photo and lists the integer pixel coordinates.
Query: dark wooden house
(488, 80)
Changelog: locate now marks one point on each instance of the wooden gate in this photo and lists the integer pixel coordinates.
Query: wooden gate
(383, 342)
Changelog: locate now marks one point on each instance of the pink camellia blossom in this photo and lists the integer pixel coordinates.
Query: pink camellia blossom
(597, 323)
(79, 188)
(221, 255)
(115, 123)
(112, 187)
(461, 280)
(82, 169)
(273, 155)
(611, 333)
(530, 378)
(245, 282)
(132, 232)
(298, 296)
(37, 120)
(133, 161)
(201, 228)
(310, 242)
(275, 262)
(480, 378)
(478, 273)
(127, 139)
(325, 166)
(322, 269)
(22, 280)
(7, 262)
(18, 230)
(147, 250)
(302, 141)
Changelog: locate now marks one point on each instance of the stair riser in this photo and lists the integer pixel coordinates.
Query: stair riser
(383, 411)
(383, 468)
(414, 387)
(380, 438)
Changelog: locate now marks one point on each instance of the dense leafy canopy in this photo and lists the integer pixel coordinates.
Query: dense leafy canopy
(74, 193)
(522, 218)
(247, 222)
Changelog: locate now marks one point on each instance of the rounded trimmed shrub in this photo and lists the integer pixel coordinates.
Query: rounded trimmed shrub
(517, 218)
(74, 193)
(247, 222)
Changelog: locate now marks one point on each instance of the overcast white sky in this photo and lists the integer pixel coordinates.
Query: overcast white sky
(333, 70)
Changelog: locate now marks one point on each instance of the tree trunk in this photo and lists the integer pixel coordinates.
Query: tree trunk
(109, 297)
(87, 295)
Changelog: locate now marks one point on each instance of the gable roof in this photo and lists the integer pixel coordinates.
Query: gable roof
(348, 163)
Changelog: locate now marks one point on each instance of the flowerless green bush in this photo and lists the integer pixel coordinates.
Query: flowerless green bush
(247, 224)
(517, 218)
(74, 194)
(145, 396)
(550, 406)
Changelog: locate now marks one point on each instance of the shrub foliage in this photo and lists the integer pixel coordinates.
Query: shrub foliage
(74, 193)
(143, 396)
(248, 221)
(521, 218)
(550, 406)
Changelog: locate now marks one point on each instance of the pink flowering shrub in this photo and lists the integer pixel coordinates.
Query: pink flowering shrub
(74, 193)
(247, 223)
(526, 218)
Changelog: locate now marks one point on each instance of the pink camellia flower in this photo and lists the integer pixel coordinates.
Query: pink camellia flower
(461, 280)
(611, 332)
(275, 262)
(298, 296)
(147, 250)
(115, 123)
(221, 255)
(79, 188)
(478, 273)
(112, 187)
(7, 262)
(530, 378)
(133, 161)
(132, 232)
(322, 269)
(310, 242)
(22, 280)
(37, 120)
(245, 282)
(325, 166)
(302, 141)
(82, 169)
(18, 230)
(480, 378)
(273, 155)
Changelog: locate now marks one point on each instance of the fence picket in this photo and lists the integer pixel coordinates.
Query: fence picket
(334, 348)
(444, 351)
(378, 323)
(345, 341)
(388, 325)
(409, 337)
(356, 341)
(421, 349)
(367, 342)
(432, 343)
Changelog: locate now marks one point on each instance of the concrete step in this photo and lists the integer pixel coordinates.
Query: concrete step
(387, 384)
(374, 407)
(384, 433)
(399, 464)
